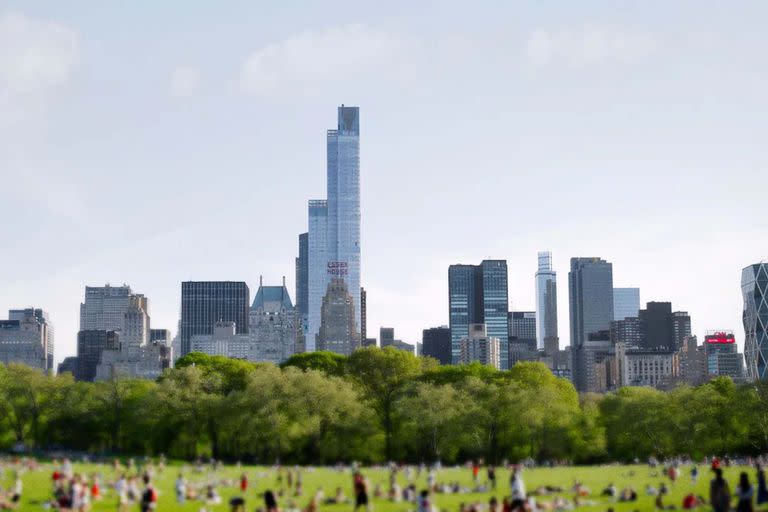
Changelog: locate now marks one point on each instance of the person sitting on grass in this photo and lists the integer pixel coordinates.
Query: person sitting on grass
(212, 496)
(609, 491)
(270, 503)
(338, 499)
(628, 494)
(237, 504)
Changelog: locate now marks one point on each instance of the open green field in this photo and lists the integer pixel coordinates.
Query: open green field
(38, 486)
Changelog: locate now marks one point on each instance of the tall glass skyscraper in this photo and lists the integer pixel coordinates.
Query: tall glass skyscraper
(496, 305)
(754, 289)
(478, 294)
(334, 224)
(590, 287)
(546, 301)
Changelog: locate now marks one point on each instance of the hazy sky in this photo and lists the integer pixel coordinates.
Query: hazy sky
(153, 142)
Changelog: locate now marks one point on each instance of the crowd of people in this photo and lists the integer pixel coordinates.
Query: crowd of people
(281, 489)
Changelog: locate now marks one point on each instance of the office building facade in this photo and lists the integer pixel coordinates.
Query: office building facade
(754, 290)
(657, 327)
(478, 346)
(546, 305)
(91, 343)
(203, 303)
(723, 357)
(478, 294)
(273, 324)
(224, 340)
(27, 338)
(338, 321)
(681, 323)
(302, 288)
(626, 303)
(436, 343)
(590, 293)
(638, 367)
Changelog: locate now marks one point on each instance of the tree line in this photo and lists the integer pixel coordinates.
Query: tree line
(373, 406)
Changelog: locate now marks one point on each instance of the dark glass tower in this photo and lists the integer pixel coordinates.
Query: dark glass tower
(477, 294)
(590, 290)
(436, 342)
(657, 328)
(204, 303)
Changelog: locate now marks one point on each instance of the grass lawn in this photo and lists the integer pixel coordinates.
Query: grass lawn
(38, 487)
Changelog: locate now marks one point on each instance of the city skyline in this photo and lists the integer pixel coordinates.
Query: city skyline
(152, 172)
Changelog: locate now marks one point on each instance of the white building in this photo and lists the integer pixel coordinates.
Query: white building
(646, 367)
(27, 338)
(224, 341)
(477, 346)
(108, 308)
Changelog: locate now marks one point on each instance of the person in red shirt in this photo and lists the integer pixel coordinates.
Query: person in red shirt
(243, 482)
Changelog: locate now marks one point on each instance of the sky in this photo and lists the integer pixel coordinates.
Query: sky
(149, 143)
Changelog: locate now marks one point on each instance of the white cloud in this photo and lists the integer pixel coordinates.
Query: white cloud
(185, 81)
(587, 46)
(334, 55)
(35, 55)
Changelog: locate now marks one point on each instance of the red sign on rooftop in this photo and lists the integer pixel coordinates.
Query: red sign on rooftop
(720, 337)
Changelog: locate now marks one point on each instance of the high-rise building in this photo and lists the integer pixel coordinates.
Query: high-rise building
(302, 288)
(334, 227)
(386, 336)
(317, 271)
(363, 315)
(91, 343)
(627, 331)
(203, 303)
(693, 362)
(338, 323)
(27, 338)
(723, 357)
(104, 307)
(160, 336)
(478, 346)
(478, 294)
(657, 328)
(115, 336)
(681, 322)
(546, 305)
(639, 367)
(754, 289)
(523, 325)
(590, 291)
(273, 324)
(465, 299)
(68, 365)
(436, 342)
(626, 303)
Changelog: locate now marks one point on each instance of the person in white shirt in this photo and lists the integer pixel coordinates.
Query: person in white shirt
(517, 486)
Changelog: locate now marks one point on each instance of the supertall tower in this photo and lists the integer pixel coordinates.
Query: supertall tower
(334, 224)
(546, 304)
